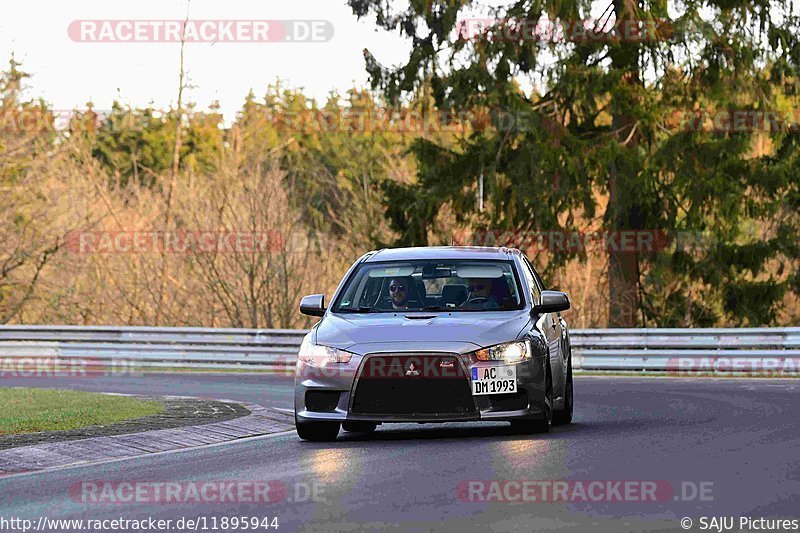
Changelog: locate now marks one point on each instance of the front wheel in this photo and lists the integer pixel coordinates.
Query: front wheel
(564, 416)
(317, 431)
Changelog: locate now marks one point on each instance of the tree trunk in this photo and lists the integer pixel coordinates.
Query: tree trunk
(621, 215)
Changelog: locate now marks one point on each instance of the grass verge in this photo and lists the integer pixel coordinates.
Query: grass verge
(33, 410)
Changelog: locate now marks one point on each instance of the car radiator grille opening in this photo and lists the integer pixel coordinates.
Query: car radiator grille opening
(412, 385)
(509, 402)
(322, 401)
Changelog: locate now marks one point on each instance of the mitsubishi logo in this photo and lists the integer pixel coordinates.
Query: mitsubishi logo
(412, 370)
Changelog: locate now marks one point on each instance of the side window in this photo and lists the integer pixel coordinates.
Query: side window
(533, 280)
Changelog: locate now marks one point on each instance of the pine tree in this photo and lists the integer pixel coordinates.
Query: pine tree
(642, 104)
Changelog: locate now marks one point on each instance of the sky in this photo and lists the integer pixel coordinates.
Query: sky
(69, 72)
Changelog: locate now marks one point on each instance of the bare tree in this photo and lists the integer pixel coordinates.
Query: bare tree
(176, 162)
(258, 277)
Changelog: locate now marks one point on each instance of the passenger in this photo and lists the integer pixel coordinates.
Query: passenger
(399, 292)
(480, 297)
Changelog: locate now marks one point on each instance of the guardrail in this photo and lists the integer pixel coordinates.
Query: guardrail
(656, 349)
(719, 350)
(226, 348)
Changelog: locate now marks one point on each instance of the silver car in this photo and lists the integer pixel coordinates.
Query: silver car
(435, 334)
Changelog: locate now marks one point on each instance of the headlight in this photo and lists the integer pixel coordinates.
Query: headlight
(510, 352)
(316, 355)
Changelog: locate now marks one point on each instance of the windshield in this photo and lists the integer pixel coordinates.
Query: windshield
(431, 285)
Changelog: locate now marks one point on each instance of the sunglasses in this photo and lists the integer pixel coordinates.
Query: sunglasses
(477, 287)
(397, 288)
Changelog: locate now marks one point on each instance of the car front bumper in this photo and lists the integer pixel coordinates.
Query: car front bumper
(326, 394)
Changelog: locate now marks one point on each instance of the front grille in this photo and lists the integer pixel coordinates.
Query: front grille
(412, 385)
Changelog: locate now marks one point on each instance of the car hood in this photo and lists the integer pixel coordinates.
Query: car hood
(460, 332)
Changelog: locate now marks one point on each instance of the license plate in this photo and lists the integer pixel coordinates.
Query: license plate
(494, 380)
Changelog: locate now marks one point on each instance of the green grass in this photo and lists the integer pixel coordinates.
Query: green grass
(32, 410)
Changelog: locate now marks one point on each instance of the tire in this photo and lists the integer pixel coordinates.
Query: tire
(359, 427)
(317, 431)
(563, 416)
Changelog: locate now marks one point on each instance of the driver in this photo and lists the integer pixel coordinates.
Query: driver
(399, 293)
(480, 295)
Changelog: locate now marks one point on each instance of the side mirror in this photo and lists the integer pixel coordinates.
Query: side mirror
(552, 302)
(313, 305)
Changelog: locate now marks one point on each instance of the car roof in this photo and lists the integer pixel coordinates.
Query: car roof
(441, 252)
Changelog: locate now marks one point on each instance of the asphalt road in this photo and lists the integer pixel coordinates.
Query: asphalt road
(736, 439)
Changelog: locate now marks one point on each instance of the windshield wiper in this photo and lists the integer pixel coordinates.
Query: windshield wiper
(359, 310)
(437, 308)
